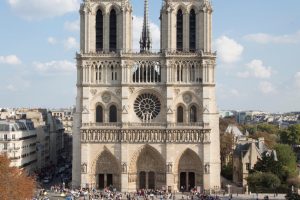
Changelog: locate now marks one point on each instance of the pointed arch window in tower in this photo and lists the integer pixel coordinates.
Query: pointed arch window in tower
(113, 114)
(192, 30)
(113, 30)
(193, 114)
(99, 114)
(179, 29)
(180, 114)
(99, 31)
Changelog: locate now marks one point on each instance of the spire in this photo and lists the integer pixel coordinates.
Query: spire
(146, 41)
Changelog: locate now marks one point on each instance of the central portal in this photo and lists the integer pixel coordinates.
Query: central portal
(147, 180)
(149, 167)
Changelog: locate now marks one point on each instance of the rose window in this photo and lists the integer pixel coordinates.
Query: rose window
(147, 106)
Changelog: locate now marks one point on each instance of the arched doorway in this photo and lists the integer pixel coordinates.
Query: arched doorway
(190, 172)
(107, 171)
(148, 168)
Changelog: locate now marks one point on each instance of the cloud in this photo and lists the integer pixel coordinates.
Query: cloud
(11, 88)
(244, 74)
(229, 51)
(266, 87)
(256, 69)
(10, 60)
(41, 9)
(297, 80)
(55, 67)
(137, 31)
(73, 26)
(51, 40)
(71, 43)
(234, 92)
(17, 83)
(263, 38)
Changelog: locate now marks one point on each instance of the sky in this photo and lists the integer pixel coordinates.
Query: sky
(257, 42)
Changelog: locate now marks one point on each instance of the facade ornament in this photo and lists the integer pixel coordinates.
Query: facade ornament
(207, 168)
(131, 90)
(106, 97)
(169, 110)
(124, 167)
(187, 98)
(177, 91)
(207, 6)
(169, 167)
(118, 91)
(85, 110)
(93, 91)
(205, 109)
(125, 109)
(198, 91)
(84, 168)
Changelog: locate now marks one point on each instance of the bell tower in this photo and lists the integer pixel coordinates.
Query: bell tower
(186, 25)
(105, 26)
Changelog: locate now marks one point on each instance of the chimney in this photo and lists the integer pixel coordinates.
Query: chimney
(261, 143)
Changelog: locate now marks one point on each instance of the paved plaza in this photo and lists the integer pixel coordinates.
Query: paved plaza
(178, 196)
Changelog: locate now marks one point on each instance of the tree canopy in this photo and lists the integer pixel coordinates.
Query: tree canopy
(263, 182)
(291, 135)
(15, 183)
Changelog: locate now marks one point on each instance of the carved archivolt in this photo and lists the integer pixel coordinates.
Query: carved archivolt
(147, 158)
(107, 163)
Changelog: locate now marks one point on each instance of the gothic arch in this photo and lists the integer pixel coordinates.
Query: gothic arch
(99, 113)
(114, 6)
(183, 112)
(101, 7)
(194, 7)
(198, 111)
(181, 6)
(107, 164)
(189, 170)
(147, 149)
(147, 163)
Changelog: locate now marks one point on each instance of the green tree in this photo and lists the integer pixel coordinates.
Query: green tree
(287, 159)
(263, 182)
(268, 128)
(268, 164)
(291, 135)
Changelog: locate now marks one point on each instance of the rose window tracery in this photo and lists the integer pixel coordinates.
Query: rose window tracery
(147, 106)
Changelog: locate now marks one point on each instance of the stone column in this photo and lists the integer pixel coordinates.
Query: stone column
(147, 180)
(105, 180)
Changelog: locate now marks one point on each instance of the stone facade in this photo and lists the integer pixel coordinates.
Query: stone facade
(145, 120)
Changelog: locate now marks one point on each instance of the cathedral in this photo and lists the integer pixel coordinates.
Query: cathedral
(146, 119)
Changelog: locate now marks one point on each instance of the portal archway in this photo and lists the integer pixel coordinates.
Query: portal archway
(148, 169)
(107, 171)
(190, 173)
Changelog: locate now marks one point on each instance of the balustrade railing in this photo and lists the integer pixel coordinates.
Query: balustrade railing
(146, 125)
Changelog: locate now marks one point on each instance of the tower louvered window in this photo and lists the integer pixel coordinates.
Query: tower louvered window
(192, 30)
(179, 29)
(99, 31)
(113, 30)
